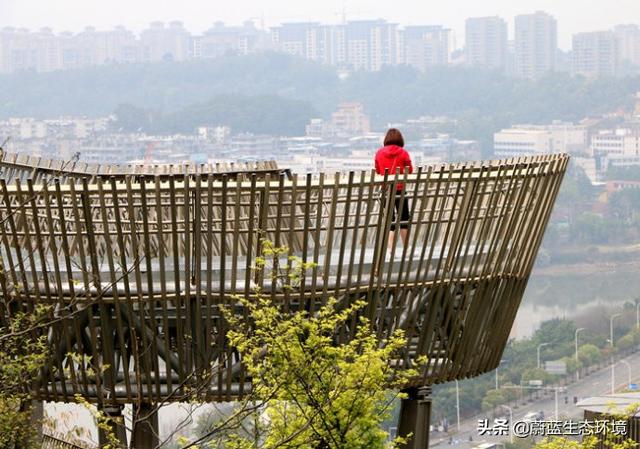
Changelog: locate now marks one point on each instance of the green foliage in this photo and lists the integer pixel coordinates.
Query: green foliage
(589, 354)
(588, 442)
(625, 206)
(165, 87)
(492, 399)
(317, 392)
(625, 343)
(23, 352)
(624, 173)
(481, 101)
(519, 365)
(265, 114)
(608, 439)
(521, 443)
(311, 386)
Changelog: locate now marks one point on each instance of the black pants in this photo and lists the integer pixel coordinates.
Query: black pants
(405, 217)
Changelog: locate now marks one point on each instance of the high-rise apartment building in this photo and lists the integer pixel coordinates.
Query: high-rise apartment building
(536, 44)
(298, 39)
(334, 50)
(628, 40)
(486, 42)
(425, 46)
(371, 44)
(222, 39)
(359, 45)
(595, 54)
(311, 40)
(44, 51)
(161, 43)
(19, 49)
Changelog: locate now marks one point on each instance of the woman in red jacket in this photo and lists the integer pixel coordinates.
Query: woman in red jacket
(391, 157)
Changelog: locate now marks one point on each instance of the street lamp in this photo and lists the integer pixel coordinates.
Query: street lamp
(637, 314)
(458, 405)
(510, 422)
(613, 372)
(539, 347)
(577, 361)
(624, 362)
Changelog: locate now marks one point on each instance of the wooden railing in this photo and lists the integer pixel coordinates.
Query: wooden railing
(146, 261)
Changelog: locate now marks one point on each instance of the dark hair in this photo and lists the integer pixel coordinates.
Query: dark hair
(394, 137)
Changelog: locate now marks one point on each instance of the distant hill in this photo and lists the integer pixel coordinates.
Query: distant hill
(482, 101)
(262, 114)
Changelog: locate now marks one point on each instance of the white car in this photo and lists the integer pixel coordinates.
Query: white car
(533, 416)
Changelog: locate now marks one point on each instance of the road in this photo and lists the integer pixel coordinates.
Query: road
(595, 384)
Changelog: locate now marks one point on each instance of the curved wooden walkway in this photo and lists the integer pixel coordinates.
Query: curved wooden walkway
(136, 265)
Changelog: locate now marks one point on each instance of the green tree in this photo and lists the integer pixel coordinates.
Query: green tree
(315, 388)
(589, 354)
(23, 352)
(492, 399)
(626, 342)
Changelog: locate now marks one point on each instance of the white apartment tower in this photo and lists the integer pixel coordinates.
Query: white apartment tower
(371, 44)
(311, 40)
(160, 43)
(628, 40)
(486, 42)
(426, 46)
(298, 39)
(536, 44)
(595, 54)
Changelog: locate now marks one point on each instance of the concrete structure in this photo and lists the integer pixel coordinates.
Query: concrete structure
(595, 54)
(426, 47)
(161, 43)
(357, 45)
(299, 39)
(371, 44)
(348, 120)
(520, 142)
(616, 142)
(614, 407)
(542, 139)
(486, 42)
(628, 43)
(221, 40)
(536, 44)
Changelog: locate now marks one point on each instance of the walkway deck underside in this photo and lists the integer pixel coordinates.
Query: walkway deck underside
(135, 268)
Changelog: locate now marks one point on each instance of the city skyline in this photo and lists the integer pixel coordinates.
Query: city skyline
(73, 15)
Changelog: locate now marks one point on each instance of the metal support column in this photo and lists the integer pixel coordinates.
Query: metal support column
(115, 426)
(145, 428)
(415, 417)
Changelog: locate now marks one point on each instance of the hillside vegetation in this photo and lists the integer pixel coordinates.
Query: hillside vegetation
(233, 89)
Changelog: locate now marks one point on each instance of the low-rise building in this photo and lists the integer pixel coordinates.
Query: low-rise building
(558, 137)
(348, 120)
(521, 142)
(616, 142)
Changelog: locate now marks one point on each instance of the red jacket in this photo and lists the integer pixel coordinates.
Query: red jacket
(390, 158)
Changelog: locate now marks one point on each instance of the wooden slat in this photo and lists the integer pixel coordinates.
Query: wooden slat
(142, 264)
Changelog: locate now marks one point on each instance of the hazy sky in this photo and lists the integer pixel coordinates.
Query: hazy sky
(573, 15)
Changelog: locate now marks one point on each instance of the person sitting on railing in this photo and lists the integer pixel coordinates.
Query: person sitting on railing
(391, 157)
